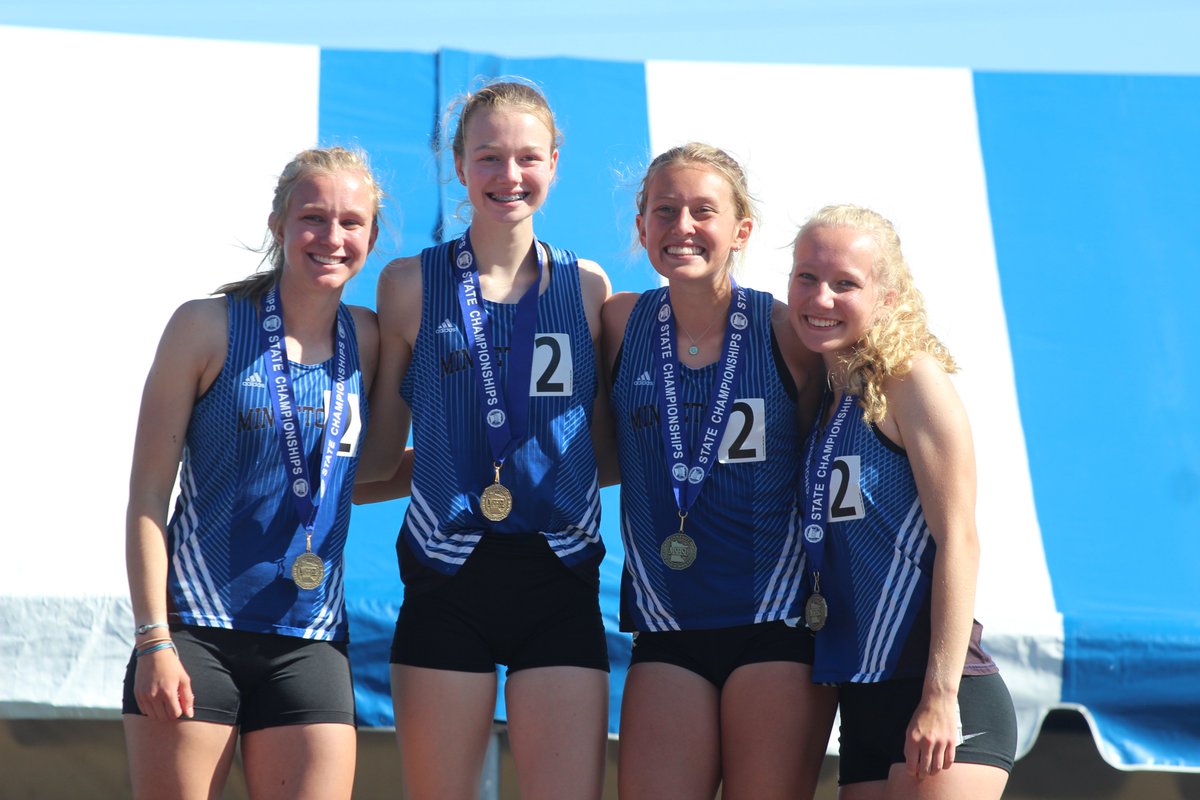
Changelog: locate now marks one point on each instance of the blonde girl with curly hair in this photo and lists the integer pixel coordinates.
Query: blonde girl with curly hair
(892, 550)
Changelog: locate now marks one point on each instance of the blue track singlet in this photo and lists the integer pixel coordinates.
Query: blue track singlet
(235, 530)
(878, 564)
(551, 472)
(745, 525)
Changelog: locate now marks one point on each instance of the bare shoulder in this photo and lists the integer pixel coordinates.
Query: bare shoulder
(592, 274)
(595, 289)
(398, 298)
(923, 402)
(365, 321)
(617, 309)
(193, 345)
(200, 327)
(924, 383)
(614, 317)
(401, 274)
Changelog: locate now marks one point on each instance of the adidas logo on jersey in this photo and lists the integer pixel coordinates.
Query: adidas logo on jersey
(644, 379)
(447, 327)
(255, 381)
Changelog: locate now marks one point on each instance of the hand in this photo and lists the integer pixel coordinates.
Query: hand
(932, 737)
(162, 687)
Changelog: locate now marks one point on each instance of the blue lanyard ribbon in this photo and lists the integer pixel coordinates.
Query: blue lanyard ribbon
(818, 469)
(306, 497)
(690, 463)
(505, 409)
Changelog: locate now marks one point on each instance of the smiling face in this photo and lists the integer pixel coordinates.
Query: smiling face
(507, 164)
(327, 230)
(690, 226)
(834, 295)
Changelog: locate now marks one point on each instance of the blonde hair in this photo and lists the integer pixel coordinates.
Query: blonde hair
(306, 164)
(900, 329)
(707, 156)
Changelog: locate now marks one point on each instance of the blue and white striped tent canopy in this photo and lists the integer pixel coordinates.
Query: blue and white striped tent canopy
(1050, 220)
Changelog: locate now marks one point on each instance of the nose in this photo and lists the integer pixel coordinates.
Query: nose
(683, 222)
(824, 295)
(512, 170)
(332, 233)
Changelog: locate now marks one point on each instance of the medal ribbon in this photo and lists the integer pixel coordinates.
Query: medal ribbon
(687, 463)
(504, 427)
(817, 470)
(271, 336)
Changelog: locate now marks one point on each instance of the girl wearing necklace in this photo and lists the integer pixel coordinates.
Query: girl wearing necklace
(708, 436)
(491, 340)
(889, 489)
(238, 601)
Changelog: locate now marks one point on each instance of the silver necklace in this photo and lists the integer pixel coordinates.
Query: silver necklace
(694, 349)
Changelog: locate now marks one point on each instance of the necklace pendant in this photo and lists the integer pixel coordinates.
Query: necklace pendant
(693, 350)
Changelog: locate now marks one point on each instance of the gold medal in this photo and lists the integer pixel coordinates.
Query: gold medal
(678, 551)
(496, 502)
(816, 612)
(308, 570)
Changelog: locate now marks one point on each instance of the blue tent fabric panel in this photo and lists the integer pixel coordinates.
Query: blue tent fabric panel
(1093, 229)
(1095, 220)
(1135, 681)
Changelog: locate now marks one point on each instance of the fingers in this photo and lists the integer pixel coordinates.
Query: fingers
(926, 757)
(186, 698)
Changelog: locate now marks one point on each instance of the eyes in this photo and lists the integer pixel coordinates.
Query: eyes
(666, 211)
(349, 223)
(838, 285)
(524, 158)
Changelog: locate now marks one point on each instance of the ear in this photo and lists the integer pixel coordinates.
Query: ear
(641, 229)
(374, 235)
(741, 234)
(553, 160)
(275, 228)
(458, 169)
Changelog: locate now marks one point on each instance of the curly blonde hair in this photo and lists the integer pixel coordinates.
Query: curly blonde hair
(900, 328)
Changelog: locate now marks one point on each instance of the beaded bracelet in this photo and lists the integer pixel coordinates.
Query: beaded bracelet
(154, 648)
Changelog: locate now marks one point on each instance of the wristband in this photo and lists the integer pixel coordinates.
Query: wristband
(149, 626)
(160, 646)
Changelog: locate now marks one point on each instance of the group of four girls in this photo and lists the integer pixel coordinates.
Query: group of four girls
(797, 502)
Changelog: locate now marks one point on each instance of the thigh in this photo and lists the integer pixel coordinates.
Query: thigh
(775, 727)
(178, 758)
(443, 720)
(976, 781)
(670, 734)
(300, 762)
(557, 728)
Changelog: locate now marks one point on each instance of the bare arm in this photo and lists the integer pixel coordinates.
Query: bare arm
(596, 290)
(806, 367)
(931, 424)
(367, 327)
(614, 317)
(398, 306)
(189, 358)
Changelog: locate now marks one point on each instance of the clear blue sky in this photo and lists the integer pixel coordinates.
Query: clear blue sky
(1113, 36)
